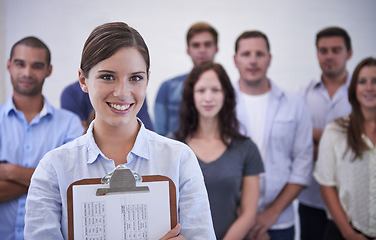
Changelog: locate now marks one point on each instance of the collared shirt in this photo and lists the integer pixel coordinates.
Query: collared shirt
(323, 110)
(355, 180)
(288, 146)
(77, 101)
(24, 144)
(167, 103)
(46, 205)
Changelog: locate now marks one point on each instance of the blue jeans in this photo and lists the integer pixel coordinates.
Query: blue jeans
(282, 234)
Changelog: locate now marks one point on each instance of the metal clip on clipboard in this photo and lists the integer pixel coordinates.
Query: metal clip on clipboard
(121, 180)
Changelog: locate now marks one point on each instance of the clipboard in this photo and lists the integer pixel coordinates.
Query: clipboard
(94, 222)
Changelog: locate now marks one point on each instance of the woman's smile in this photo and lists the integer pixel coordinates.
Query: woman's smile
(117, 87)
(120, 107)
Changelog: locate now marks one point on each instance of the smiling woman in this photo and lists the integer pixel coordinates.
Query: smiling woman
(117, 89)
(346, 163)
(365, 91)
(115, 73)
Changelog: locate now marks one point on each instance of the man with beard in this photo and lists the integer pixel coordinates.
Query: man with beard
(29, 128)
(326, 99)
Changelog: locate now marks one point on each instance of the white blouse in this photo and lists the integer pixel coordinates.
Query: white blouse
(355, 180)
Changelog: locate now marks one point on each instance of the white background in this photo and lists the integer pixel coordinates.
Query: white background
(291, 26)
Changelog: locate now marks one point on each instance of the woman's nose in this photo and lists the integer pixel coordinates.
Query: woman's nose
(208, 96)
(122, 89)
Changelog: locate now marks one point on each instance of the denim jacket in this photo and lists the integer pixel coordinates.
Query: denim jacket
(166, 108)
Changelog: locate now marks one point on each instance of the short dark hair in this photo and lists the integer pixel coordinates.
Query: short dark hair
(228, 123)
(105, 40)
(199, 28)
(251, 34)
(35, 43)
(335, 32)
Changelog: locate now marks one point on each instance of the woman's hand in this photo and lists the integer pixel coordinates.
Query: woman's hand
(174, 234)
(354, 236)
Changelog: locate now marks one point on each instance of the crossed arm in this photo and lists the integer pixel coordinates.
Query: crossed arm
(14, 181)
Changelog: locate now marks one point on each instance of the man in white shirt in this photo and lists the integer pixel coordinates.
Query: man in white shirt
(279, 124)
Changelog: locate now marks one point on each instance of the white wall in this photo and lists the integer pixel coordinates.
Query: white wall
(2, 51)
(291, 26)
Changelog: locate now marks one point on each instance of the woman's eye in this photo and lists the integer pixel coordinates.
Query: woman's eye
(136, 78)
(107, 77)
(361, 81)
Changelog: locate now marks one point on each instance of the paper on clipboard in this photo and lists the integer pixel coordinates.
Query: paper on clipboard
(128, 215)
(121, 205)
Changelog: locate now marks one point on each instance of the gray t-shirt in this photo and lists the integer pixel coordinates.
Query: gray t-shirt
(223, 180)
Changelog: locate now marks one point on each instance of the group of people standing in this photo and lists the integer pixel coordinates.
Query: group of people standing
(287, 130)
(253, 147)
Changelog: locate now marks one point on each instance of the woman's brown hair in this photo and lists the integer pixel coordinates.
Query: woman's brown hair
(105, 40)
(354, 124)
(228, 123)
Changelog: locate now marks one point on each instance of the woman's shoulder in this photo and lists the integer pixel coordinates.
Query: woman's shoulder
(244, 146)
(335, 132)
(243, 142)
(66, 150)
(338, 125)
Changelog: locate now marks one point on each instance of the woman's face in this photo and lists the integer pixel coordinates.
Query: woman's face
(366, 87)
(208, 95)
(117, 87)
